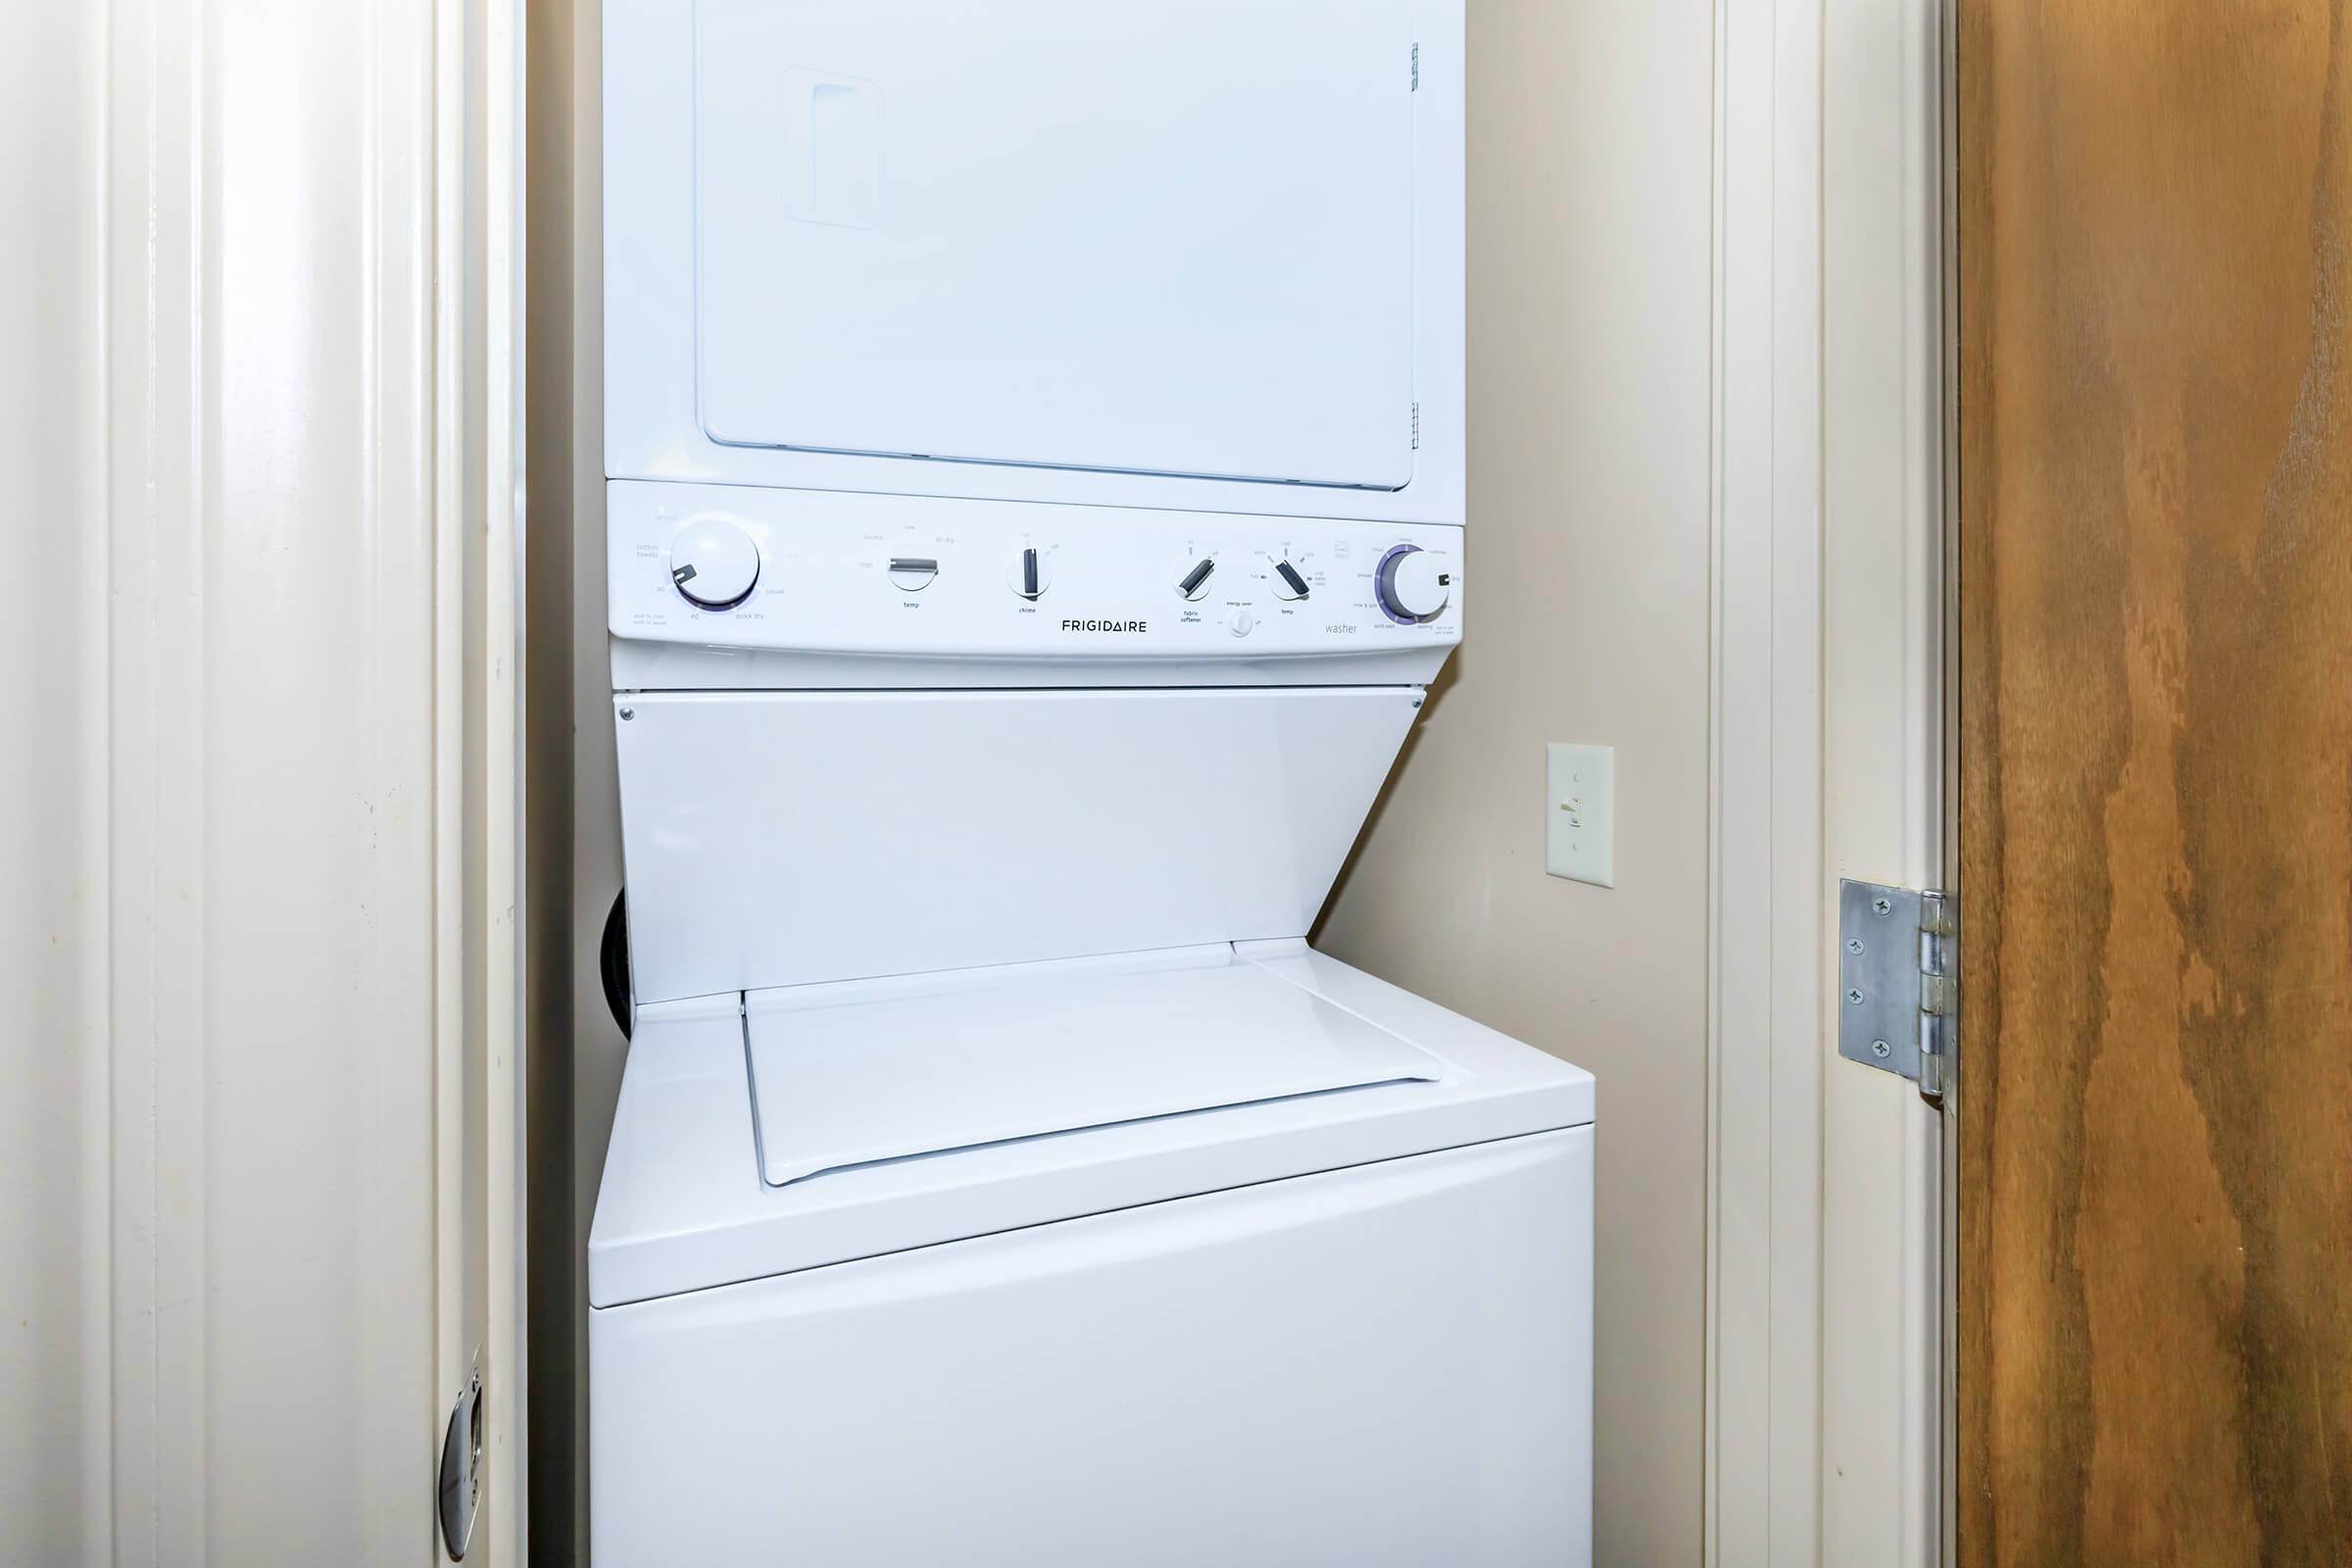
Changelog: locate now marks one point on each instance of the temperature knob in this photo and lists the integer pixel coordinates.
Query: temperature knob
(1412, 585)
(713, 562)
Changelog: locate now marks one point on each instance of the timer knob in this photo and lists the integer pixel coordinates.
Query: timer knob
(714, 563)
(1412, 585)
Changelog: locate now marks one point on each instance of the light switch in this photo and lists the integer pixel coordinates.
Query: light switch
(1579, 822)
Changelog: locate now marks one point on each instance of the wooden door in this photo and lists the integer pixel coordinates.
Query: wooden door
(2155, 414)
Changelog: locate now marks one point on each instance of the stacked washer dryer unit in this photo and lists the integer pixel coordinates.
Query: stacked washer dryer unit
(1036, 454)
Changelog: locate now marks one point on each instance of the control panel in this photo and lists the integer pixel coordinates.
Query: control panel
(854, 572)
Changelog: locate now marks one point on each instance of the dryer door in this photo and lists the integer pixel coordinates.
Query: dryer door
(1158, 237)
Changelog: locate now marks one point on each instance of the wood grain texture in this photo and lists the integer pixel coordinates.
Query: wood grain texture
(2156, 782)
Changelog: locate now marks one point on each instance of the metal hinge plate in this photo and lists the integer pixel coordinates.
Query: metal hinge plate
(1416, 67)
(1895, 976)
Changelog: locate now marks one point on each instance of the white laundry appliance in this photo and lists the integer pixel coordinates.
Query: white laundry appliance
(1034, 433)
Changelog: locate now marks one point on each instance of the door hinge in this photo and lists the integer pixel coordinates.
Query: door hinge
(1897, 974)
(1416, 67)
(1416, 427)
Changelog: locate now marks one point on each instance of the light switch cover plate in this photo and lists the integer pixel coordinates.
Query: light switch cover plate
(1579, 804)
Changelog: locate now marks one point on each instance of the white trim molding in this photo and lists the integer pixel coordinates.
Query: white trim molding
(1822, 1340)
(254, 786)
(1881, 440)
(1765, 1006)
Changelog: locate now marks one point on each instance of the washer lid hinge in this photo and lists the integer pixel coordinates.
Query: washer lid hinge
(1897, 981)
(1416, 67)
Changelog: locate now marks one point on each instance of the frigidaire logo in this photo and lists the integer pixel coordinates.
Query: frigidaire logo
(1102, 625)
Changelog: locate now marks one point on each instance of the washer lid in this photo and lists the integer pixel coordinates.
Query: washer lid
(687, 1201)
(853, 1074)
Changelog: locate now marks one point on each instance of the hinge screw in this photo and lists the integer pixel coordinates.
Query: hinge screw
(1880, 1048)
(1853, 944)
(1853, 998)
(1882, 905)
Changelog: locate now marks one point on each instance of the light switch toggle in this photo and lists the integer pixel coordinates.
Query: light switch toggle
(1579, 827)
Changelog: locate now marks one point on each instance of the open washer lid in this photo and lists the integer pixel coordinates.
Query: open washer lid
(841, 1077)
(1040, 1095)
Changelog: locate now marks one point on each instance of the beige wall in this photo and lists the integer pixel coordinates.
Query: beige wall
(554, 533)
(1591, 168)
(575, 1051)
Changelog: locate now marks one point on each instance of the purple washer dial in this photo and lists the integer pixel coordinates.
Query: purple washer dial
(1384, 585)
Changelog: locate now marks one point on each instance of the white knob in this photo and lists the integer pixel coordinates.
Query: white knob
(1030, 573)
(912, 575)
(1413, 584)
(713, 562)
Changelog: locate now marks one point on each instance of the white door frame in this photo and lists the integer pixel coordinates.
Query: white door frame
(481, 1145)
(1882, 616)
(1823, 1365)
(261, 776)
(1764, 1003)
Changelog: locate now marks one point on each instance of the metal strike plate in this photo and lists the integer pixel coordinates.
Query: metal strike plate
(1879, 974)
